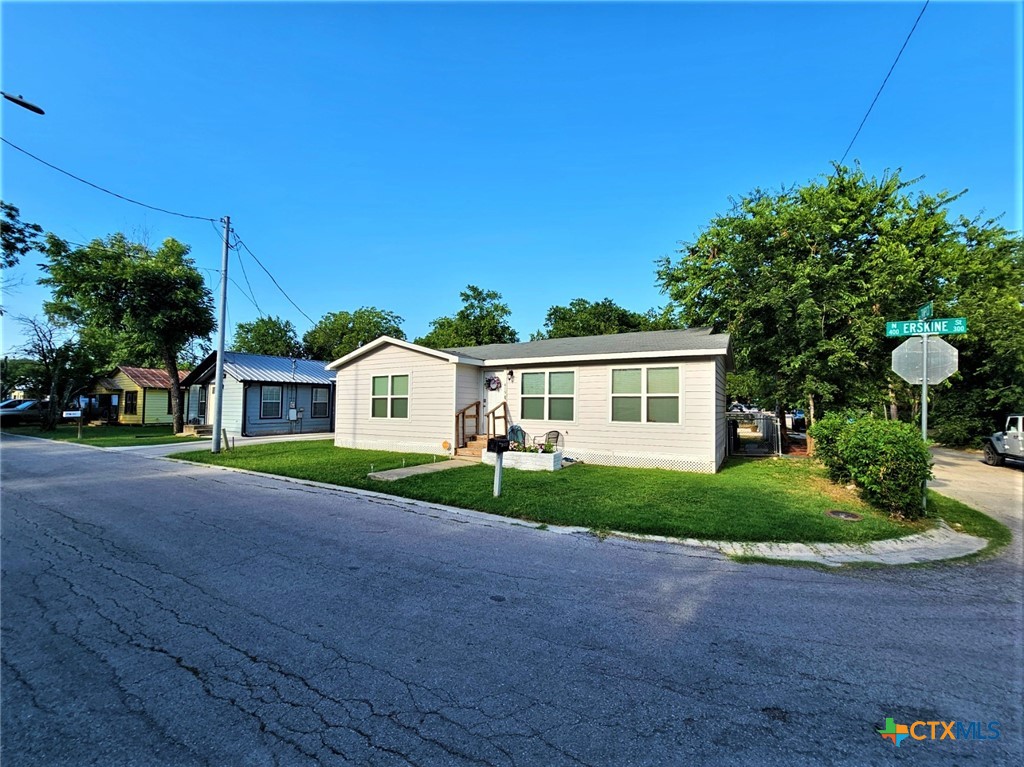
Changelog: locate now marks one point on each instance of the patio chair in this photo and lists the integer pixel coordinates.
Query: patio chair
(554, 437)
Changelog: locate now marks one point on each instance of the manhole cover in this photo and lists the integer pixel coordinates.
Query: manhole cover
(849, 516)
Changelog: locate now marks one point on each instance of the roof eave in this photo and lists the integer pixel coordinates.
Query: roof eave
(385, 340)
(664, 354)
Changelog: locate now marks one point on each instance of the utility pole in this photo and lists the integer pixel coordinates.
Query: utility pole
(218, 385)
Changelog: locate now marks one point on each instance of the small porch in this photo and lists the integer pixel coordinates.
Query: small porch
(101, 405)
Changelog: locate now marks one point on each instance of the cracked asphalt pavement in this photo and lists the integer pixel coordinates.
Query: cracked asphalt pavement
(159, 613)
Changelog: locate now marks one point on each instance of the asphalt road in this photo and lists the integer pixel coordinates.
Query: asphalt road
(155, 613)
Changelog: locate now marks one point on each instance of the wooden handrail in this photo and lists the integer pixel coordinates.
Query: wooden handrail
(460, 422)
(492, 417)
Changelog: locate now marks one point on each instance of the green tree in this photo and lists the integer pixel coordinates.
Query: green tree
(338, 333)
(805, 279)
(18, 237)
(154, 301)
(267, 335)
(20, 373)
(597, 318)
(63, 365)
(481, 320)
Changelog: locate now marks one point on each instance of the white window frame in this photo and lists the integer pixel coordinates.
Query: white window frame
(390, 397)
(547, 396)
(313, 403)
(644, 395)
(264, 401)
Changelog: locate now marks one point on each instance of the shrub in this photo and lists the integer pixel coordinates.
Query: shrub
(889, 462)
(961, 431)
(825, 433)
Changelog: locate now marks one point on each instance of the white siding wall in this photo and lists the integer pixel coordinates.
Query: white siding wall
(231, 414)
(431, 418)
(592, 437)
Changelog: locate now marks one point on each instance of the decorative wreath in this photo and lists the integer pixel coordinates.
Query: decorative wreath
(493, 383)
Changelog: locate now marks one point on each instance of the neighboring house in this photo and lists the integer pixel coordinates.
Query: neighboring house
(263, 395)
(133, 396)
(654, 399)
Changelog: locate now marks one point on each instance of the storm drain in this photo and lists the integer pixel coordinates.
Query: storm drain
(849, 516)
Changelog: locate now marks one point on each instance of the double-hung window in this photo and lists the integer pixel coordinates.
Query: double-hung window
(270, 402)
(549, 396)
(645, 395)
(201, 407)
(131, 403)
(321, 407)
(390, 397)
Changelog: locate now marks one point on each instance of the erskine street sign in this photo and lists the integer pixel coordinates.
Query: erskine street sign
(920, 327)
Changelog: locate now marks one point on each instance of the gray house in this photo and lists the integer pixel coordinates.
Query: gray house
(263, 395)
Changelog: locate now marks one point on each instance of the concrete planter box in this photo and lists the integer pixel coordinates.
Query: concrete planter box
(528, 461)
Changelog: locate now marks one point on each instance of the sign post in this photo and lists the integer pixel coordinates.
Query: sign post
(75, 414)
(912, 356)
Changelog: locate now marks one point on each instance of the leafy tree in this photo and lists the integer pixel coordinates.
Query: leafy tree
(586, 318)
(19, 237)
(153, 301)
(481, 320)
(338, 333)
(19, 373)
(63, 365)
(267, 335)
(805, 279)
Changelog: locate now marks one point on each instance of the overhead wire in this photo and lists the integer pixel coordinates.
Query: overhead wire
(241, 263)
(882, 86)
(103, 189)
(248, 250)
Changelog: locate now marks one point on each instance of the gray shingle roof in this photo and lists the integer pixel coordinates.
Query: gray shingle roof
(668, 341)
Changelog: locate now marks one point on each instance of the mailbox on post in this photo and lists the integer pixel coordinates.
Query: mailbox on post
(497, 445)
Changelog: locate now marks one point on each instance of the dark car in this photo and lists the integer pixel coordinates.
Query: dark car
(29, 411)
(9, 403)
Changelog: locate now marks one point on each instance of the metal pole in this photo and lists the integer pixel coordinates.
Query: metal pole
(219, 379)
(924, 410)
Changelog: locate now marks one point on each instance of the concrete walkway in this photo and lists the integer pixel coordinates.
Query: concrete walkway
(424, 468)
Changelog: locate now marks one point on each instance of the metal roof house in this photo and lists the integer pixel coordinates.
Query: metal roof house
(263, 395)
(131, 395)
(653, 399)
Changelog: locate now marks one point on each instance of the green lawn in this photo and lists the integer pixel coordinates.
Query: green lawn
(105, 436)
(762, 500)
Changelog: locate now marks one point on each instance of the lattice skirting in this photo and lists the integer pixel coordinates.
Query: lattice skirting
(642, 460)
(397, 446)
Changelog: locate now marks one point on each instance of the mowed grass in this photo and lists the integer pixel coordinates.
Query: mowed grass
(105, 436)
(762, 500)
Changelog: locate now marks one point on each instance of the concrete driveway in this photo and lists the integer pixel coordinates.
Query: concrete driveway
(996, 490)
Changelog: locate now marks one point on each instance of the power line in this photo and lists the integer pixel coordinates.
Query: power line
(882, 86)
(241, 242)
(102, 189)
(241, 263)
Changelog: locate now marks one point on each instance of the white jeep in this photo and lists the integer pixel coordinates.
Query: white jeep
(1008, 443)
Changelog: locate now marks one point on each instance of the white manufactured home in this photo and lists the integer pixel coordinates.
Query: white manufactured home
(654, 399)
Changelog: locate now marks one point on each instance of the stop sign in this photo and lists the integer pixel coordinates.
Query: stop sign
(908, 360)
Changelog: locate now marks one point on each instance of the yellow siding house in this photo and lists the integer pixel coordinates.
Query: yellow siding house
(134, 396)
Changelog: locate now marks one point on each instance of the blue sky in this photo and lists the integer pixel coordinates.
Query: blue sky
(387, 154)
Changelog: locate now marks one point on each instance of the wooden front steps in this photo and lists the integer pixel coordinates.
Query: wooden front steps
(474, 449)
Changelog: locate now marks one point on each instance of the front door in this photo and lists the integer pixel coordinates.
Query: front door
(494, 384)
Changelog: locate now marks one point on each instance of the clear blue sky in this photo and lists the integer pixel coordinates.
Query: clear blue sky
(390, 154)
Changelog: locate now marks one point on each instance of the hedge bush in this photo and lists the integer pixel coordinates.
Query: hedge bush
(825, 433)
(961, 431)
(888, 460)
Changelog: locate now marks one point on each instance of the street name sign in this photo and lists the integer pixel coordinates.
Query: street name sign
(908, 360)
(943, 326)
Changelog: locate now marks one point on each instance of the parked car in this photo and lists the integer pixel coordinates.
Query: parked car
(9, 403)
(1008, 443)
(28, 411)
(739, 407)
